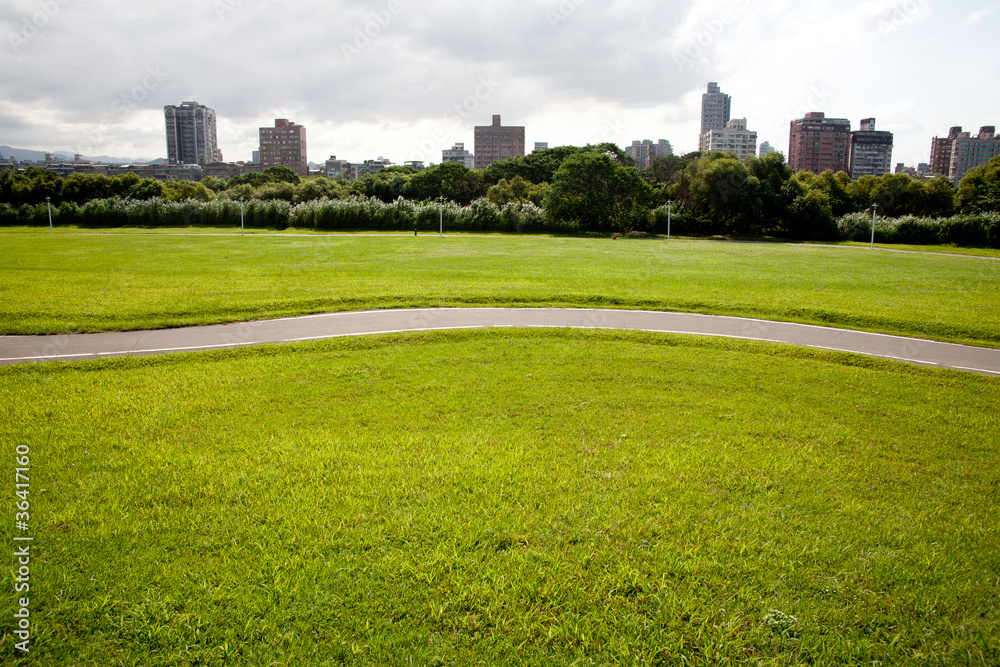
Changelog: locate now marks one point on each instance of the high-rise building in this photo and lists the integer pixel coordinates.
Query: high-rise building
(497, 142)
(715, 108)
(457, 153)
(284, 145)
(733, 137)
(968, 151)
(941, 151)
(817, 143)
(871, 151)
(541, 145)
(191, 134)
(765, 149)
(645, 151)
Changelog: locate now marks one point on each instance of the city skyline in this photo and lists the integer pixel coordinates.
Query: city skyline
(408, 80)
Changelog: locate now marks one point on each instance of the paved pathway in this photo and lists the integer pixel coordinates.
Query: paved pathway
(22, 349)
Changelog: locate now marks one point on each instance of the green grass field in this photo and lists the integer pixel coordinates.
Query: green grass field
(523, 497)
(496, 497)
(64, 282)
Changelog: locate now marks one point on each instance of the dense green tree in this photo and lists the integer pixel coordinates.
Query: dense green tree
(122, 184)
(316, 187)
(254, 179)
(516, 189)
(940, 198)
(404, 169)
(147, 188)
(244, 190)
(596, 192)
(664, 170)
(448, 179)
(183, 190)
(214, 184)
(281, 174)
(282, 190)
(977, 189)
(384, 184)
(729, 195)
(537, 167)
(81, 188)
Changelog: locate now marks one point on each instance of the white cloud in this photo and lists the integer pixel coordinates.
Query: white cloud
(976, 17)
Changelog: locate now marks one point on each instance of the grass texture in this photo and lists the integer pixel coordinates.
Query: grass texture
(59, 283)
(509, 497)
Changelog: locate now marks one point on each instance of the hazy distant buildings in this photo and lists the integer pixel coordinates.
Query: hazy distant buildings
(715, 108)
(284, 145)
(191, 134)
(457, 153)
(497, 142)
(338, 168)
(645, 151)
(733, 137)
(369, 167)
(817, 143)
(968, 151)
(541, 145)
(765, 149)
(954, 155)
(871, 151)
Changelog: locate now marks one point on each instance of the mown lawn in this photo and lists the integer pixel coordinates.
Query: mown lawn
(57, 283)
(508, 497)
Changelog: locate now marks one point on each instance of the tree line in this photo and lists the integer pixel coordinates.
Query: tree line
(595, 188)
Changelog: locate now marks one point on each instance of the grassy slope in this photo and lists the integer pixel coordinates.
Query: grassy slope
(463, 498)
(62, 283)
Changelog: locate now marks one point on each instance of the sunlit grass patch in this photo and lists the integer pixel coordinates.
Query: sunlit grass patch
(535, 497)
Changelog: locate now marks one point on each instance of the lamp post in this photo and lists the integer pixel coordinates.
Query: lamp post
(874, 207)
(48, 202)
(669, 205)
(441, 199)
(241, 216)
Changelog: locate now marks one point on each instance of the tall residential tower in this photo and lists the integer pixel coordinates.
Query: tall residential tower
(715, 109)
(191, 134)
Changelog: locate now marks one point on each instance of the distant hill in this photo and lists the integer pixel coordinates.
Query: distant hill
(26, 155)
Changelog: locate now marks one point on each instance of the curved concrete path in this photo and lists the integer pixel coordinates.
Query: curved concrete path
(75, 347)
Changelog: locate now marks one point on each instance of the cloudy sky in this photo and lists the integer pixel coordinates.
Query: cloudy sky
(404, 79)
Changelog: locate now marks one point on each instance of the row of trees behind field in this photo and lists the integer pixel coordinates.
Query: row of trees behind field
(566, 189)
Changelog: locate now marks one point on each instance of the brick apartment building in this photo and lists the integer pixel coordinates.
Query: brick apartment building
(497, 142)
(817, 143)
(285, 145)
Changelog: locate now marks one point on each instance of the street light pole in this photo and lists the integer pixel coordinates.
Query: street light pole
(441, 199)
(48, 202)
(874, 207)
(669, 205)
(241, 216)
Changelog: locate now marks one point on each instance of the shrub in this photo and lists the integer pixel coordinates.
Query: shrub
(976, 231)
